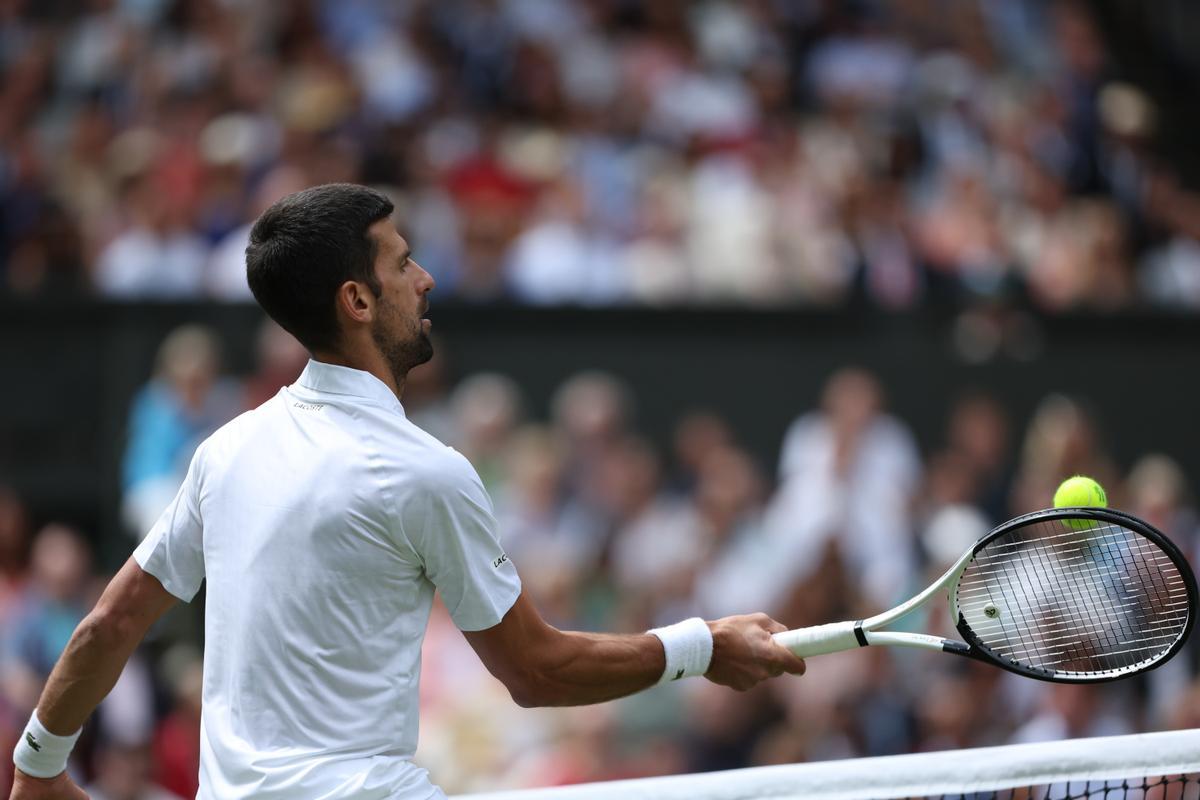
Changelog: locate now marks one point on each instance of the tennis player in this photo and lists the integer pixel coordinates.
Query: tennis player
(323, 521)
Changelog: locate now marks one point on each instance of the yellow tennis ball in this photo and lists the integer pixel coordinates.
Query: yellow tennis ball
(1080, 490)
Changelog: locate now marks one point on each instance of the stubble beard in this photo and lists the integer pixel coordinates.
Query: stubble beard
(403, 353)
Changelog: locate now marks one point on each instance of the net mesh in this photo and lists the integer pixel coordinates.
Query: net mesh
(1164, 787)
(1074, 597)
(1153, 766)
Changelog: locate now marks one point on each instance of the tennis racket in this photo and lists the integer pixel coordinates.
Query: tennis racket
(1074, 595)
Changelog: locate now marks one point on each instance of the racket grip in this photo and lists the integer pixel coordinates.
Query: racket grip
(819, 639)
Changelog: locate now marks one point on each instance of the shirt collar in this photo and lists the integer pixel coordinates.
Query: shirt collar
(334, 379)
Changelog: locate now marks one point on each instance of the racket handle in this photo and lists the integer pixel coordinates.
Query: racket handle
(819, 639)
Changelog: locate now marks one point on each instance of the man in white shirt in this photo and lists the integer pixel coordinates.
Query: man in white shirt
(323, 521)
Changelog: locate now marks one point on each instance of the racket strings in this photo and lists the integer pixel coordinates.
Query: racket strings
(1084, 597)
(1102, 628)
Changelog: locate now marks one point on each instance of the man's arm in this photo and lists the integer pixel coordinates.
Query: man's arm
(543, 666)
(94, 658)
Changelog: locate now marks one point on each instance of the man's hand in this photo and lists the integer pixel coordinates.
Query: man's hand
(744, 654)
(60, 787)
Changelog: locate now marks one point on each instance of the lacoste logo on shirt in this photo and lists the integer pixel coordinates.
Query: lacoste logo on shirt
(308, 406)
(497, 562)
(678, 675)
(32, 741)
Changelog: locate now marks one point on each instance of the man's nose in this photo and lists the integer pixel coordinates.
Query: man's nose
(427, 280)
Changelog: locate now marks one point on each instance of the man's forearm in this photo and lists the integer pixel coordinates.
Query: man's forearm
(100, 647)
(85, 674)
(591, 668)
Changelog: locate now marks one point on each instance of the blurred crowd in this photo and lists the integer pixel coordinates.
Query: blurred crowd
(615, 529)
(771, 152)
(763, 152)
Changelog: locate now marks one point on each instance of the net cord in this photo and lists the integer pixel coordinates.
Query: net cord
(953, 772)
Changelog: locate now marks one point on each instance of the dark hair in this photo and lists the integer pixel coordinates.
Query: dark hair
(307, 245)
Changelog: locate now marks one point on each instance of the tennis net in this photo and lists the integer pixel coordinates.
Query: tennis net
(1149, 766)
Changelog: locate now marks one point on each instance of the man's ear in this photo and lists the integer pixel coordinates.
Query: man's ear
(355, 302)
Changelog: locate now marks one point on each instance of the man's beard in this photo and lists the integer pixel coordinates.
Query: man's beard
(403, 354)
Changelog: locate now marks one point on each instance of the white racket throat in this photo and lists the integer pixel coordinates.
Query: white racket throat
(837, 636)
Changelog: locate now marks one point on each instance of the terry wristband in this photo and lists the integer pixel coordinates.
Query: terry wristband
(40, 753)
(688, 646)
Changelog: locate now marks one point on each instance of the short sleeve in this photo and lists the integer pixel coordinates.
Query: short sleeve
(447, 519)
(173, 550)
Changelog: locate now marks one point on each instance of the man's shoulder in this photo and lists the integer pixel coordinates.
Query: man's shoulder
(426, 463)
(235, 430)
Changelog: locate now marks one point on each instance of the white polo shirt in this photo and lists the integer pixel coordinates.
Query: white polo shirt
(322, 521)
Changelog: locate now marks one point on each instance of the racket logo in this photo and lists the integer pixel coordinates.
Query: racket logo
(990, 611)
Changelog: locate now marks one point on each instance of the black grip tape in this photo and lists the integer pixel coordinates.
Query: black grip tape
(859, 635)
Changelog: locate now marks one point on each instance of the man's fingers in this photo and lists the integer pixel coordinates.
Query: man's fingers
(789, 661)
(793, 663)
(771, 626)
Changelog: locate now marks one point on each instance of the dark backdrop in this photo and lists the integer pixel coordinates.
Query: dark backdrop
(69, 372)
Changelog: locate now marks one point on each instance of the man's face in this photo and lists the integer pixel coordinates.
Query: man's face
(400, 330)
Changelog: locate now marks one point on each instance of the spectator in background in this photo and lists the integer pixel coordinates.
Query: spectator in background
(55, 599)
(545, 526)
(1169, 274)
(185, 401)
(558, 259)
(492, 202)
(655, 548)
(696, 435)
(979, 442)
(848, 474)
(486, 408)
(726, 508)
(591, 412)
(1061, 440)
(1156, 491)
(157, 256)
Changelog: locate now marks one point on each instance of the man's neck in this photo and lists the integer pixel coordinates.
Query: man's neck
(371, 362)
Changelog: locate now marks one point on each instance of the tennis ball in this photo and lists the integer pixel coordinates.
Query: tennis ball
(1080, 490)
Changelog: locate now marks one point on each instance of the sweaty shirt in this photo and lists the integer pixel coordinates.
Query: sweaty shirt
(322, 521)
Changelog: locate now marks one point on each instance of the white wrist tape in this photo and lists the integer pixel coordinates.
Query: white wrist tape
(40, 753)
(688, 646)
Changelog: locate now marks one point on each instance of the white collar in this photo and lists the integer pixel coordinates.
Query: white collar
(319, 376)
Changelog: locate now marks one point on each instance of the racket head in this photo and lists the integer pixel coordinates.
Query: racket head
(1075, 595)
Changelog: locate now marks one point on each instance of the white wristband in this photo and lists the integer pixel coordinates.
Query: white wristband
(40, 753)
(688, 646)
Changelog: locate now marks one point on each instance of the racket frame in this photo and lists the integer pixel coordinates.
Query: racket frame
(821, 639)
